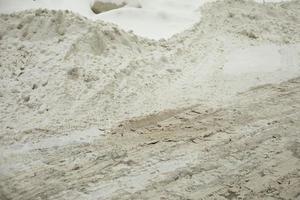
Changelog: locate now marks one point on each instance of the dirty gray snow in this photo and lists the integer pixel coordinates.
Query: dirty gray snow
(89, 111)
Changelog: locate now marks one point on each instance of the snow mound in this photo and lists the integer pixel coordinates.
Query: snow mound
(61, 71)
(155, 19)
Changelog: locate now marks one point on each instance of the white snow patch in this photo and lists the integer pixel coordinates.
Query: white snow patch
(263, 59)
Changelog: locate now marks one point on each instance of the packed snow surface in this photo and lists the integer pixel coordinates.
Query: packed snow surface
(265, 58)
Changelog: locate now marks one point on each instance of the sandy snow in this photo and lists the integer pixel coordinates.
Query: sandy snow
(90, 111)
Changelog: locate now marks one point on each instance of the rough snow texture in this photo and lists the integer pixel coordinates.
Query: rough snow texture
(61, 73)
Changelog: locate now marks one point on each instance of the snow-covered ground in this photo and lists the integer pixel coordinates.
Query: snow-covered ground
(90, 111)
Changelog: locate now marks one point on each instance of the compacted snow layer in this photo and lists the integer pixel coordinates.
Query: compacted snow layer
(247, 150)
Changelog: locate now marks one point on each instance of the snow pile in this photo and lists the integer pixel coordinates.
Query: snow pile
(60, 71)
(153, 19)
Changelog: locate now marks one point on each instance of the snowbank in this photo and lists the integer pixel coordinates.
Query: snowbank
(155, 19)
(63, 71)
(152, 19)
